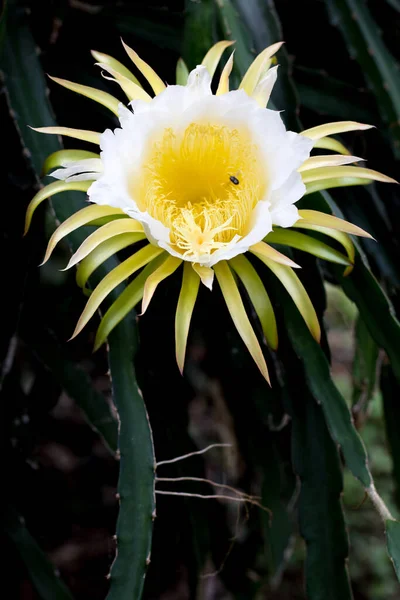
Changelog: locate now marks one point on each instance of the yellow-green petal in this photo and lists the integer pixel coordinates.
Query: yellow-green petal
(258, 68)
(339, 172)
(104, 233)
(100, 254)
(334, 182)
(327, 160)
(131, 296)
(213, 56)
(258, 297)
(131, 89)
(314, 217)
(263, 249)
(239, 316)
(114, 278)
(336, 228)
(78, 219)
(168, 267)
(297, 291)
(206, 274)
(50, 190)
(93, 137)
(182, 72)
(262, 91)
(106, 59)
(99, 96)
(184, 311)
(62, 158)
(104, 220)
(154, 80)
(328, 143)
(316, 133)
(223, 86)
(341, 237)
(306, 243)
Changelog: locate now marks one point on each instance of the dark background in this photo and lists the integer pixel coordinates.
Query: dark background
(57, 471)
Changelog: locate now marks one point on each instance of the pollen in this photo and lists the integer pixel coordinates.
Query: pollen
(186, 183)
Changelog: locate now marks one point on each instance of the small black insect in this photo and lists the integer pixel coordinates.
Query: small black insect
(234, 180)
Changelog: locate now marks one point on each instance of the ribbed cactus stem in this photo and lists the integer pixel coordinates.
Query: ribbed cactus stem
(137, 470)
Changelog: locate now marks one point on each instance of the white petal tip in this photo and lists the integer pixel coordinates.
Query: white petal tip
(69, 265)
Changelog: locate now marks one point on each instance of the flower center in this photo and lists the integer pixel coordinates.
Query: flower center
(203, 184)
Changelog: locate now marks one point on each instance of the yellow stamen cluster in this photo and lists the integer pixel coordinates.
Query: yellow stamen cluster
(202, 183)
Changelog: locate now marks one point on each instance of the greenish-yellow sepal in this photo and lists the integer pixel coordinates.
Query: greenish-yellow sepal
(239, 316)
(107, 231)
(266, 250)
(184, 311)
(168, 267)
(129, 298)
(82, 217)
(114, 278)
(213, 56)
(100, 254)
(50, 190)
(104, 220)
(297, 291)
(328, 143)
(258, 67)
(258, 297)
(341, 172)
(62, 158)
(131, 89)
(182, 72)
(93, 137)
(117, 66)
(335, 182)
(327, 160)
(314, 217)
(223, 86)
(154, 80)
(306, 243)
(99, 96)
(321, 131)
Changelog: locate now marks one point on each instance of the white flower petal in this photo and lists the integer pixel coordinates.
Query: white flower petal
(206, 275)
(87, 165)
(84, 177)
(285, 217)
(283, 213)
(264, 87)
(281, 152)
(199, 81)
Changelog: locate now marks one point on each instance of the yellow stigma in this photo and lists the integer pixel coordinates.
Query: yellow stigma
(202, 183)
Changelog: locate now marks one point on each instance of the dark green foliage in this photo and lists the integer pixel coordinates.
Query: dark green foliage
(77, 385)
(41, 571)
(316, 460)
(233, 28)
(199, 32)
(365, 366)
(375, 309)
(326, 95)
(393, 543)
(324, 391)
(364, 41)
(262, 21)
(26, 89)
(390, 393)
